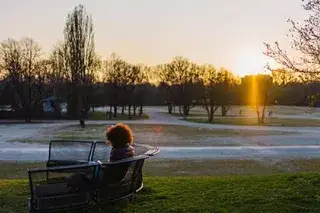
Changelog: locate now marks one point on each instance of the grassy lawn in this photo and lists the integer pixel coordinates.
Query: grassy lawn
(17, 170)
(268, 194)
(250, 111)
(153, 134)
(164, 135)
(246, 111)
(159, 167)
(155, 167)
(286, 122)
(97, 115)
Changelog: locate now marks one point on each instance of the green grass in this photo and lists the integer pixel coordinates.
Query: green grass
(267, 194)
(17, 170)
(97, 115)
(286, 122)
(160, 167)
(222, 167)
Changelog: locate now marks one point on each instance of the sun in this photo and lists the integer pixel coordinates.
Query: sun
(251, 62)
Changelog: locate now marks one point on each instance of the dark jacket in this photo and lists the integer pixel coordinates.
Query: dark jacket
(121, 153)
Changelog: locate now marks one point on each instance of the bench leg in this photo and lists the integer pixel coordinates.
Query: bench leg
(29, 206)
(132, 197)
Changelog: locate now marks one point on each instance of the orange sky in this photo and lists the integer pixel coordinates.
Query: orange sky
(223, 33)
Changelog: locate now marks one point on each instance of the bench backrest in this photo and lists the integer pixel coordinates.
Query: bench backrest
(101, 151)
(69, 152)
(120, 179)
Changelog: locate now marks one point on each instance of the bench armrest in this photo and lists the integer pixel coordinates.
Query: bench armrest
(126, 160)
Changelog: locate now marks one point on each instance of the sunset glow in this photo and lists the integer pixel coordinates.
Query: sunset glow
(254, 92)
(250, 62)
(139, 32)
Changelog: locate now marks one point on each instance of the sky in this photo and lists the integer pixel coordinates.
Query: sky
(225, 33)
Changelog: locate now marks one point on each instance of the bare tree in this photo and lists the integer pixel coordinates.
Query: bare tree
(2, 87)
(166, 80)
(59, 61)
(226, 82)
(81, 61)
(181, 76)
(136, 85)
(142, 78)
(304, 56)
(114, 71)
(210, 94)
(282, 77)
(129, 79)
(258, 93)
(21, 61)
(305, 44)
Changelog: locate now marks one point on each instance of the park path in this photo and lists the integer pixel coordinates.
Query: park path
(260, 153)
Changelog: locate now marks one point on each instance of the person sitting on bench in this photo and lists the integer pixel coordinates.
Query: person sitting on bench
(120, 137)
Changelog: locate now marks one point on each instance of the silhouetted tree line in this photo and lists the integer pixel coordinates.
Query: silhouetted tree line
(74, 74)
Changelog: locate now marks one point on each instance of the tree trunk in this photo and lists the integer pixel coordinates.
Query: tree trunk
(211, 114)
(115, 109)
(27, 115)
(82, 123)
(109, 113)
(29, 101)
(224, 109)
(186, 111)
(180, 112)
(211, 109)
(122, 110)
(258, 114)
(134, 110)
(141, 110)
(72, 104)
(129, 112)
(28, 119)
(170, 108)
(263, 114)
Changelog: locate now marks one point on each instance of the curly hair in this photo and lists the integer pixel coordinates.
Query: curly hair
(119, 135)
